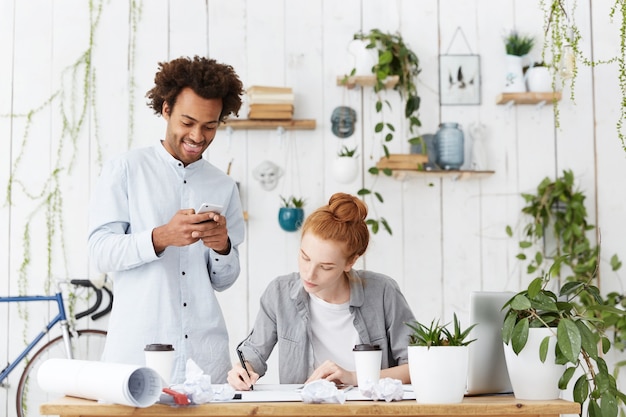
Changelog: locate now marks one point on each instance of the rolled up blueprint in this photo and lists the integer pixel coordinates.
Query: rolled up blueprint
(109, 382)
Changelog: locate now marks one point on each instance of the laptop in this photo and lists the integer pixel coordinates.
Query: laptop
(487, 372)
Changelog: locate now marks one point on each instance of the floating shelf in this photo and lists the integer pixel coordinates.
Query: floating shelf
(366, 81)
(293, 124)
(402, 174)
(527, 98)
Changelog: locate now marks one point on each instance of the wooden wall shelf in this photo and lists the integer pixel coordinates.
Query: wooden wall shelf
(402, 174)
(293, 124)
(527, 98)
(366, 81)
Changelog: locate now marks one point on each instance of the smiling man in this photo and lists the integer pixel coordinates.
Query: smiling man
(167, 260)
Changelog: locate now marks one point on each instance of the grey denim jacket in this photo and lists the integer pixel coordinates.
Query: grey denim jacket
(378, 307)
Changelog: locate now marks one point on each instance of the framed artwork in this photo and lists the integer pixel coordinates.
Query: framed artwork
(459, 79)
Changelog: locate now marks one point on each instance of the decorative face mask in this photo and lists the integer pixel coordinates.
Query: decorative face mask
(343, 119)
(268, 174)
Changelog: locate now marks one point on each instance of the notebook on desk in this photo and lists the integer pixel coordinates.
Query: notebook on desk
(487, 372)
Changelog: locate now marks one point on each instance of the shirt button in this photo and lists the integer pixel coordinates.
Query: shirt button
(186, 337)
(184, 181)
(183, 273)
(184, 304)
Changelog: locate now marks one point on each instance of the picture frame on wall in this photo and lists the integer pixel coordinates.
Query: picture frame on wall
(459, 79)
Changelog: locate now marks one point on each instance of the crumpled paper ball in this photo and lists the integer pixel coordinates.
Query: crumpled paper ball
(387, 389)
(198, 386)
(322, 391)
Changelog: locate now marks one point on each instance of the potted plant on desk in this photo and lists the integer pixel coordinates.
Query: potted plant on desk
(572, 338)
(438, 361)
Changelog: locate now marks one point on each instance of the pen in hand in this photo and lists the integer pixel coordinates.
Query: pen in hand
(243, 364)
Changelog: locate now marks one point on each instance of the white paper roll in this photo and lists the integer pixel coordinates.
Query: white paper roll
(111, 382)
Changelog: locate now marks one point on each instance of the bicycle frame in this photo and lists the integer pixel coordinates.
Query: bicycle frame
(59, 318)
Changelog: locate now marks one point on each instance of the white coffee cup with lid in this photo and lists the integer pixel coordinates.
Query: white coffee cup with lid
(160, 357)
(367, 362)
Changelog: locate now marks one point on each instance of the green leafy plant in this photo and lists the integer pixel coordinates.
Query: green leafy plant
(562, 41)
(517, 44)
(437, 334)
(580, 339)
(292, 202)
(347, 152)
(395, 58)
(556, 213)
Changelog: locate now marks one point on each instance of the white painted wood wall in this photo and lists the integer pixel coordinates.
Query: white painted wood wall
(448, 236)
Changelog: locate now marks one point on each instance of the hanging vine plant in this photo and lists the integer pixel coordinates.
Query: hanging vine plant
(75, 102)
(562, 42)
(395, 58)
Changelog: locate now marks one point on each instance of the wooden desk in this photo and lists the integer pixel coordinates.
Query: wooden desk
(492, 406)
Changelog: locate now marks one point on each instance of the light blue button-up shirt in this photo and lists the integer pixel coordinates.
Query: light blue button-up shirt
(167, 298)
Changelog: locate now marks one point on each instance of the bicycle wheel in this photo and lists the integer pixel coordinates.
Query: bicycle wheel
(88, 345)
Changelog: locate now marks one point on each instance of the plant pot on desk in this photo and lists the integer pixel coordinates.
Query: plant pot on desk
(438, 373)
(531, 378)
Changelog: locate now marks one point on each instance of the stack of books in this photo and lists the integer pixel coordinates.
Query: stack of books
(270, 103)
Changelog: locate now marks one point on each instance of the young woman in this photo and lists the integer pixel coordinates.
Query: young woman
(317, 315)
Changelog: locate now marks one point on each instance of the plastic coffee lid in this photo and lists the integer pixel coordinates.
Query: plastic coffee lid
(366, 347)
(158, 348)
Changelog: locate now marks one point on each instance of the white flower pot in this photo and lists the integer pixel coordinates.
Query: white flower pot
(345, 169)
(514, 78)
(438, 374)
(538, 79)
(532, 379)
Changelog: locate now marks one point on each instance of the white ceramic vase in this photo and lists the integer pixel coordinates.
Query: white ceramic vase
(514, 80)
(345, 169)
(538, 79)
(532, 379)
(438, 374)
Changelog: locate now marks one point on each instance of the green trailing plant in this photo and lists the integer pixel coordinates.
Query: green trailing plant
(562, 41)
(75, 103)
(395, 58)
(580, 338)
(347, 152)
(437, 334)
(517, 44)
(292, 202)
(556, 213)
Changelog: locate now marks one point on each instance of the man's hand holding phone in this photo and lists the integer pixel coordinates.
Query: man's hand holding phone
(209, 208)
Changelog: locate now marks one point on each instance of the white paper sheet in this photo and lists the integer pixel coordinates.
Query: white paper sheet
(291, 392)
(103, 381)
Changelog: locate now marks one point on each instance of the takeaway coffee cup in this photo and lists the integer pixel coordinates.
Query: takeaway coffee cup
(367, 361)
(160, 358)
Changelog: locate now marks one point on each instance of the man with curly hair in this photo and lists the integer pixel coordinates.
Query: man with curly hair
(167, 260)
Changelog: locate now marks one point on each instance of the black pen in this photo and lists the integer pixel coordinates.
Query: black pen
(243, 364)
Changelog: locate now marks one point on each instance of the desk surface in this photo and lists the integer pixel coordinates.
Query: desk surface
(505, 405)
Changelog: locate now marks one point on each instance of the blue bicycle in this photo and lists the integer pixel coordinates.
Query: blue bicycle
(86, 344)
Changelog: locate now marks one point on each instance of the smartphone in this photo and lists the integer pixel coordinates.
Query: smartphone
(206, 207)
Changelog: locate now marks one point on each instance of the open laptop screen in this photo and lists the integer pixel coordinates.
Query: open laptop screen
(487, 372)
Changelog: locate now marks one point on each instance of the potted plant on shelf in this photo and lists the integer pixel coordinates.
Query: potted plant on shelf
(570, 338)
(438, 361)
(291, 214)
(539, 78)
(394, 58)
(517, 46)
(346, 165)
